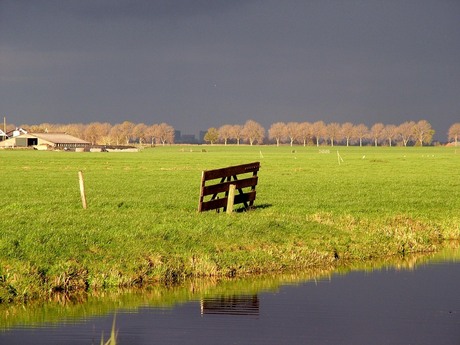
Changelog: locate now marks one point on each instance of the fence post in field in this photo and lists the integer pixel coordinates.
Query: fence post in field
(82, 189)
(231, 198)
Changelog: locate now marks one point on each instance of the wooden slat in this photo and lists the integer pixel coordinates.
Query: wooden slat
(223, 187)
(213, 204)
(218, 203)
(231, 171)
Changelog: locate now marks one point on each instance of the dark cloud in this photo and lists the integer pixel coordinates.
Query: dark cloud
(197, 64)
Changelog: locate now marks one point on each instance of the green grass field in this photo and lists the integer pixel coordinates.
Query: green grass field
(141, 226)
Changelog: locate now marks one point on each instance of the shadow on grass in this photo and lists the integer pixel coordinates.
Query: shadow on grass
(255, 207)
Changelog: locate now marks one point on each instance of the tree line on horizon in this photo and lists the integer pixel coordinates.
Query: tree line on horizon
(299, 133)
(104, 133)
(319, 133)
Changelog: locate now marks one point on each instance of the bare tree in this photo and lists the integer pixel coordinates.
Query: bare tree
(116, 133)
(423, 132)
(292, 131)
(37, 129)
(376, 132)
(389, 133)
(126, 131)
(12, 126)
(277, 131)
(304, 132)
(225, 133)
(106, 139)
(95, 131)
(405, 131)
(165, 133)
(104, 130)
(332, 131)
(151, 134)
(212, 135)
(317, 129)
(59, 128)
(237, 133)
(454, 133)
(346, 132)
(75, 129)
(253, 132)
(49, 127)
(140, 132)
(361, 132)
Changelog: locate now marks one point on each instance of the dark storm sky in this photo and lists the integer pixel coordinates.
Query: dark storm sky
(197, 64)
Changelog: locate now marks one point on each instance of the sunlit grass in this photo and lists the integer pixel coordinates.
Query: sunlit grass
(141, 226)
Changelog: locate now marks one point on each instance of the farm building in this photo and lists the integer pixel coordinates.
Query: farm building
(45, 140)
(3, 135)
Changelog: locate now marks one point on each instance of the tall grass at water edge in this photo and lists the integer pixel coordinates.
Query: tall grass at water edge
(112, 340)
(141, 227)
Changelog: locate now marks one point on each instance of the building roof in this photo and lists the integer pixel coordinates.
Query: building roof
(51, 139)
(15, 132)
(59, 138)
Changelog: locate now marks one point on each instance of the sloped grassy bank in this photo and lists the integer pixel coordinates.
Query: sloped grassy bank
(141, 227)
(102, 302)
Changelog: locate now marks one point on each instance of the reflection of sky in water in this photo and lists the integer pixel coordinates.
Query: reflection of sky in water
(421, 306)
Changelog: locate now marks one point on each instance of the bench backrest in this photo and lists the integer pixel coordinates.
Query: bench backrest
(244, 177)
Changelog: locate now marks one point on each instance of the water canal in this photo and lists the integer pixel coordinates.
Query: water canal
(415, 301)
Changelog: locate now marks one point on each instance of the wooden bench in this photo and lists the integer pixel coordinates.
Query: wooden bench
(244, 177)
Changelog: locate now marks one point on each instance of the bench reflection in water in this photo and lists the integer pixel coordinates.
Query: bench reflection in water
(231, 305)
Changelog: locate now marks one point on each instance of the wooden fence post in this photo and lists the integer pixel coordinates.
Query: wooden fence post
(230, 198)
(82, 189)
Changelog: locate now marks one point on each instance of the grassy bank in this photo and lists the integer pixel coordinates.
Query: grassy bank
(82, 306)
(141, 226)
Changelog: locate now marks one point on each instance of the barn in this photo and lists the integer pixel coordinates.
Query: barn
(59, 141)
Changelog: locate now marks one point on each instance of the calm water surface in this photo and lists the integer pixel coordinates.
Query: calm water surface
(385, 306)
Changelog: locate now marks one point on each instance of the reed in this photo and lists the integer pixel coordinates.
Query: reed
(112, 340)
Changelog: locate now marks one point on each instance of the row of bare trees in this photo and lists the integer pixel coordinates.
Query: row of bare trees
(302, 133)
(319, 133)
(347, 133)
(106, 134)
(251, 132)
